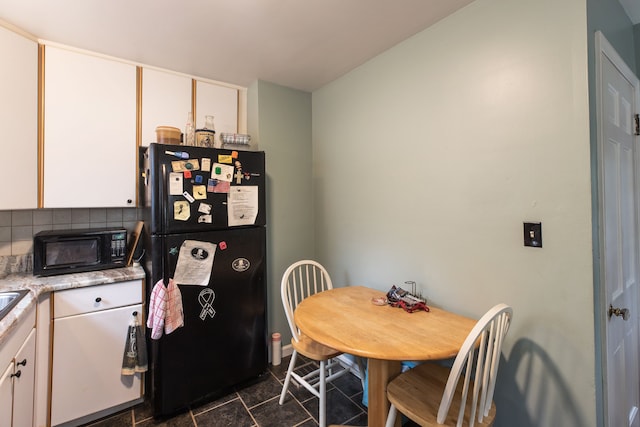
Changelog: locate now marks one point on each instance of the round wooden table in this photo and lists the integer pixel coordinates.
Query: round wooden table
(345, 319)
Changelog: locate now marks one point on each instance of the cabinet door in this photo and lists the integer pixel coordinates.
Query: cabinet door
(89, 131)
(87, 359)
(23, 385)
(221, 102)
(19, 120)
(6, 396)
(166, 101)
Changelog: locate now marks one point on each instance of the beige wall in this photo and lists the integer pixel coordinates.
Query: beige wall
(427, 160)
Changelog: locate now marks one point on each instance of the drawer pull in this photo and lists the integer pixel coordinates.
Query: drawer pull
(17, 374)
(98, 299)
(23, 363)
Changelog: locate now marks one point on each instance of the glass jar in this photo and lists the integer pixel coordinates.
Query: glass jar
(205, 137)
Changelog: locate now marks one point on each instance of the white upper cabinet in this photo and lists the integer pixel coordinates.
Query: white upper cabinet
(89, 130)
(166, 101)
(18, 120)
(218, 101)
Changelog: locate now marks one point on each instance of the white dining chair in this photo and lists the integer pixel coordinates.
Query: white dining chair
(301, 280)
(435, 395)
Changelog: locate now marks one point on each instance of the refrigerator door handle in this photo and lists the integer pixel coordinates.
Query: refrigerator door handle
(163, 195)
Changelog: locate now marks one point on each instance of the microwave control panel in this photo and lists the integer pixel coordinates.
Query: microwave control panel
(118, 246)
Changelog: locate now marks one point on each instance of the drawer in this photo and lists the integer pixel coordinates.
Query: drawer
(95, 298)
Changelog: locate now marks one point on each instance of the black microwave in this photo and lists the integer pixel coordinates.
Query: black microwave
(72, 251)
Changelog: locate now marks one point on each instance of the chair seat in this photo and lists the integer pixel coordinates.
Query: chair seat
(417, 394)
(313, 349)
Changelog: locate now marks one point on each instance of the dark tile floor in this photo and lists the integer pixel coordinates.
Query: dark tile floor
(257, 406)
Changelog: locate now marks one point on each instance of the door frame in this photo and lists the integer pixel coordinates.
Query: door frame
(604, 48)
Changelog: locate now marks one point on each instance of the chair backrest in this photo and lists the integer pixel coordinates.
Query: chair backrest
(486, 340)
(302, 279)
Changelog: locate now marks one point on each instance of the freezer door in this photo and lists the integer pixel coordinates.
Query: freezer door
(224, 338)
(189, 189)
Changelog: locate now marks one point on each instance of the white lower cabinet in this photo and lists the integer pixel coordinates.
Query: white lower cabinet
(17, 373)
(89, 335)
(23, 382)
(6, 396)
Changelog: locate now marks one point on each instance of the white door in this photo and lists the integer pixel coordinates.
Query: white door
(87, 362)
(166, 101)
(19, 120)
(618, 94)
(89, 131)
(6, 396)
(23, 385)
(221, 102)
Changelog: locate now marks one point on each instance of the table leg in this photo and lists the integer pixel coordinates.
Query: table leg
(380, 373)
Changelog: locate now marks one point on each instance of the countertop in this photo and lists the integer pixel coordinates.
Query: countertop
(40, 285)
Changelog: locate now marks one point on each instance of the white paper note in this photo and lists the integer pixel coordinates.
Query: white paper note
(242, 205)
(175, 183)
(195, 262)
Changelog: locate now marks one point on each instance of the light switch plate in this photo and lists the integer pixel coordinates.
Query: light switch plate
(533, 234)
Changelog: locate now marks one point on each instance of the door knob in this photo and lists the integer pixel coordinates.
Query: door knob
(620, 312)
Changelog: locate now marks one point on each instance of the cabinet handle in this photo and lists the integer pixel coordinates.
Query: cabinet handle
(17, 374)
(98, 299)
(23, 363)
(129, 201)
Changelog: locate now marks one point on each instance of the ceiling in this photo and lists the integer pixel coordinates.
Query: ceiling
(302, 44)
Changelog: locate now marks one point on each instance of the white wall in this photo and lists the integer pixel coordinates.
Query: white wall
(427, 160)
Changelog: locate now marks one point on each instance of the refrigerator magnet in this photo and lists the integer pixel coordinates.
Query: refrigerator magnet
(225, 158)
(183, 165)
(206, 219)
(188, 196)
(238, 176)
(181, 210)
(222, 172)
(175, 184)
(199, 192)
(222, 187)
(205, 299)
(206, 164)
(204, 208)
(187, 174)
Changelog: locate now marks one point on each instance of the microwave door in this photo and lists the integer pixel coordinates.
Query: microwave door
(72, 252)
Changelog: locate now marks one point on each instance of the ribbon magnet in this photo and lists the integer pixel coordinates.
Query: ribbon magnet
(205, 298)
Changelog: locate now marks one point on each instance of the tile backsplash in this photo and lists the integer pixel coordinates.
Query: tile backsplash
(17, 229)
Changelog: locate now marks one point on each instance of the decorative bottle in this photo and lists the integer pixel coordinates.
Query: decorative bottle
(205, 137)
(189, 131)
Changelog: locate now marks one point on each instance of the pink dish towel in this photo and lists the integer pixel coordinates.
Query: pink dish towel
(157, 310)
(174, 316)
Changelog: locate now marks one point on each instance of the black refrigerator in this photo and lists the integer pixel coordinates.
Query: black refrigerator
(207, 206)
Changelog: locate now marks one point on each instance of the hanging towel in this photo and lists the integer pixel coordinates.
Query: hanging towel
(142, 361)
(174, 316)
(134, 358)
(157, 310)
